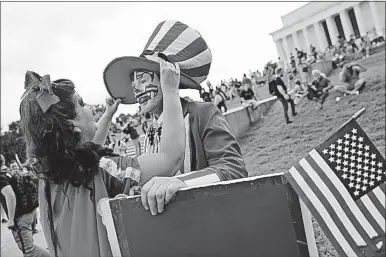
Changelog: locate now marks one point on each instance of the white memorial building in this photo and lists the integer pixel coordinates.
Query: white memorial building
(320, 23)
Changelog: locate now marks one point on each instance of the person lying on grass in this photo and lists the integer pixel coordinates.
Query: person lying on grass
(76, 171)
(350, 75)
(324, 87)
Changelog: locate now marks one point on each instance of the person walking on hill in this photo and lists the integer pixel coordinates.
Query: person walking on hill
(278, 88)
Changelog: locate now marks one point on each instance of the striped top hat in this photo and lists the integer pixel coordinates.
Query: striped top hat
(172, 41)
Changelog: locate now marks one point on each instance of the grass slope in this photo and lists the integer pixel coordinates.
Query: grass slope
(271, 146)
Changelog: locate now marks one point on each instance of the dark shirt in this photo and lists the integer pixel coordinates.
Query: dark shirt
(238, 84)
(132, 131)
(206, 97)
(273, 87)
(247, 94)
(321, 83)
(5, 180)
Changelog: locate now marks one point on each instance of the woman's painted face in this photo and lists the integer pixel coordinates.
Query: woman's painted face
(85, 119)
(147, 90)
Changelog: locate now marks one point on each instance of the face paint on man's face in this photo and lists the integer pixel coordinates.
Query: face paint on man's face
(145, 85)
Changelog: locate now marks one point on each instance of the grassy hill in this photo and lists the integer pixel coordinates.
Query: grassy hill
(271, 146)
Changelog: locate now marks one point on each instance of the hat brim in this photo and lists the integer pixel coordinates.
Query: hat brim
(117, 79)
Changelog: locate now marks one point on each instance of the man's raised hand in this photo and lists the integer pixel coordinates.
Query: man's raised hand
(170, 76)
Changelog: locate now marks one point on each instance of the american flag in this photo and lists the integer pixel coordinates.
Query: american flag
(342, 182)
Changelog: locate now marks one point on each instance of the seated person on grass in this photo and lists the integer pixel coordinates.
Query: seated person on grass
(247, 97)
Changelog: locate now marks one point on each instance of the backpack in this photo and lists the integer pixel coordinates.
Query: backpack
(25, 186)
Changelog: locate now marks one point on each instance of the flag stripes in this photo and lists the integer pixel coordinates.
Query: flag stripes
(320, 213)
(331, 203)
(173, 35)
(341, 191)
(349, 225)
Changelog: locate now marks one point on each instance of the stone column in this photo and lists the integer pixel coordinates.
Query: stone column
(296, 40)
(346, 23)
(319, 35)
(332, 30)
(279, 51)
(307, 39)
(376, 17)
(286, 48)
(359, 17)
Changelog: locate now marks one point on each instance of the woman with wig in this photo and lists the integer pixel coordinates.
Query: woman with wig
(76, 171)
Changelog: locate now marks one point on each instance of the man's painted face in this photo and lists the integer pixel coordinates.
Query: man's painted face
(147, 89)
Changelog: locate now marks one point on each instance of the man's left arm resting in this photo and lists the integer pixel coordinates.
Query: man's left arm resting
(222, 151)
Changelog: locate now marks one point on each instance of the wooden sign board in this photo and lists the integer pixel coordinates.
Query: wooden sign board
(256, 216)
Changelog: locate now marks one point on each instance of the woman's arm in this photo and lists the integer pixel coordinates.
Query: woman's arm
(105, 121)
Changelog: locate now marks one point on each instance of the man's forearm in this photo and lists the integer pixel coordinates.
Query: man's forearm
(103, 126)
(11, 206)
(173, 128)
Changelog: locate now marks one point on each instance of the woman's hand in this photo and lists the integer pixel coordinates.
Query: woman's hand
(170, 76)
(112, 106)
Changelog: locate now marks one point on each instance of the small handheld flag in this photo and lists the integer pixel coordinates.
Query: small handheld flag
(342, 182)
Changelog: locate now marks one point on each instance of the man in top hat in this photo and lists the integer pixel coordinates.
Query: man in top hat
(212, 152)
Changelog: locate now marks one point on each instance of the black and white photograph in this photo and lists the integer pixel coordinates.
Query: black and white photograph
(193, 128)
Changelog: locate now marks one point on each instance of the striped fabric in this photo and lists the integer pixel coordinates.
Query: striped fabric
(183, 45)
(342, 182)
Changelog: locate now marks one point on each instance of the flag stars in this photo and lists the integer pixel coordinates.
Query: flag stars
(338, 168)
(339, 147)
(332, 152)
(352, 165)
(366, 168)
(331, 159)
(353, 144)
(371, 183)
(338, 161)
(353, 151)
(379, 171)
(372, 169)
(347, 136)
(360, 139)
(332, 146)
(358, 180)
(364, 188)
(367, 154)
(373, 156)
(351, 184)
(339, 154)
(345, 156)
(359, 159)
(354, 137)
(373, 163)
(325, 151)
(372, 176)
(366, 161)
(379, 164)
(359, 166)
(352, 178)
(365, 182)
(354, 130)
(339, 141)
(346, 149)
(352, 171)
(345, 163)
(345, 169)
(344, 176)
(367, 147)
(360, 152)
(365, 174)
(360, 146)
(379, 177)
(356, 193)
(357, 186)
(346, 142)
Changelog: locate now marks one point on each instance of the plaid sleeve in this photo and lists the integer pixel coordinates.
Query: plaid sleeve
(199, 178)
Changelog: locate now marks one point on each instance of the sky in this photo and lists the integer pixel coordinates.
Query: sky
(77, 40)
